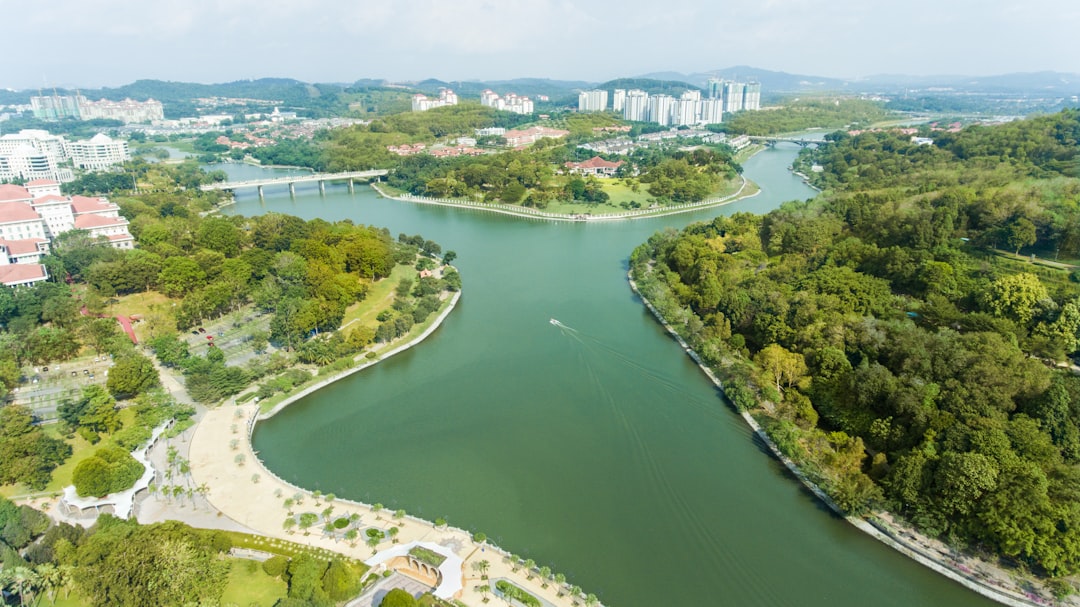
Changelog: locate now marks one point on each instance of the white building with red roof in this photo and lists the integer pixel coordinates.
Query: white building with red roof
(531, 135)
(595, 166)
(47, 215)
(22, 274)
(31, 216)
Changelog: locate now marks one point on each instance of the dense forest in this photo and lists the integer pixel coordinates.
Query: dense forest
(888, 346)
(799, 115)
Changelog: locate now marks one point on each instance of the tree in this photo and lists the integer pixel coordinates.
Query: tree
(131, 375)
(783, 367)
(180, 276)
(27, 455)
(108, 470)
(1020, 233)
(1015, 296)
(398, 598)
(339, 581)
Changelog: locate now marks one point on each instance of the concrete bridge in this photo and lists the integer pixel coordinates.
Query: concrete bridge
(292, 180)
(775, 140)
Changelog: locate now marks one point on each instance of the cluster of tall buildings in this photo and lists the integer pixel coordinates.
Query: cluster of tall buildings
(509, 103)
(33, 154)
(688, 109)
(423, 103)
(58, 107)
(637, 105)
(737, 96)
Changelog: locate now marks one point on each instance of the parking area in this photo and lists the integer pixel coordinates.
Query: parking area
(234, 334)
(44, 387)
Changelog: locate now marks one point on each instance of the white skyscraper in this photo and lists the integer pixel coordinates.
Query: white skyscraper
(618, 100)
(636, 106)
(712, 111)
(733, 96)
(592, 101)
(752, 96)
(660, 109)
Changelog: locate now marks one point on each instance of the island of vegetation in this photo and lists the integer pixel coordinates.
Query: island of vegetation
(893, 344)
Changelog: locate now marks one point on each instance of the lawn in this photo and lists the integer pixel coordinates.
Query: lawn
(153, 307)
(379, 297)
(249, 585)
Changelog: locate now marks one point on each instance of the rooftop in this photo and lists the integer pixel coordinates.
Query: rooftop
(17, 211)
(10, 192)
(18, 273)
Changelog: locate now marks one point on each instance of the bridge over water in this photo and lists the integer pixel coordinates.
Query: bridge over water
(292, 180)
(775, 140)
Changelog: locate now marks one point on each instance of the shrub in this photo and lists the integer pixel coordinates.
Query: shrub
(341, 523)
(275, 565)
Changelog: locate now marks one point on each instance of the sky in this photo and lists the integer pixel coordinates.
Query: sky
(92, 43)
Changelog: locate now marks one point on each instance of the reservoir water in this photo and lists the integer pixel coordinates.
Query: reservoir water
(597, 448)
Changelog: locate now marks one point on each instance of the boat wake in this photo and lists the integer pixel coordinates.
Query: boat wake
(559, 324)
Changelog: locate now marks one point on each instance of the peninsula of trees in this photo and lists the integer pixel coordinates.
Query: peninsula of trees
(891, 342)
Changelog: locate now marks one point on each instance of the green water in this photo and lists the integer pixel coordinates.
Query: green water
(598, 449)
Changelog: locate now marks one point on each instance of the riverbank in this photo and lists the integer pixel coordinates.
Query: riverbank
(978, 576)
(251, 496)
(346, 373)
(526, 212)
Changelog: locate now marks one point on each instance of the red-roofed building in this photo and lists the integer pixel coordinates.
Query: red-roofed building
(29, 250)
(531, 135)
(50, 214)
(43, 187)
(19, 221)
(14, 193)
(22, 274)
(596, 166)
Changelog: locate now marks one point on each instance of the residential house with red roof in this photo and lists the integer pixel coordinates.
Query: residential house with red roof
(595, 166)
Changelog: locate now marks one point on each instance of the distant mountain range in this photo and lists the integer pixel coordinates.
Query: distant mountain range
(773, 83)
(1058, 83)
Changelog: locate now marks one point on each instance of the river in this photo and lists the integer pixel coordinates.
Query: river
(599, 449)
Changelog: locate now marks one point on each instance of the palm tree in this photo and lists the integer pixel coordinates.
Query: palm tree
(529, 564)
(376, 509)
(545, 574)
(484, 589)
(393, 531)
(560, 579)
(483, 567)
(591, 600)
(24, 581)
(398, 515)
(51, 577)
(288, 525)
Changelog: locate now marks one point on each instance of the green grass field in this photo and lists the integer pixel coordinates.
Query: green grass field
(380, 296)
(249, 585)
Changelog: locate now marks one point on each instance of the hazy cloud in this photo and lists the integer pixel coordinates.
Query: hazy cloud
(110, 42)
